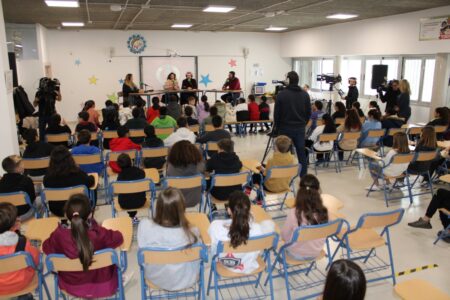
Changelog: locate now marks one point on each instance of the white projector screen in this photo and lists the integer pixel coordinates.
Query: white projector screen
(155, 69)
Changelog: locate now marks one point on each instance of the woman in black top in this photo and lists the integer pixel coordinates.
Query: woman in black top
(128, 173)
(339, 110)
(36, 149)
(152, 141)
(403, 106)
(427, 142)
(188, 84)
(64, 172)
(129, 87)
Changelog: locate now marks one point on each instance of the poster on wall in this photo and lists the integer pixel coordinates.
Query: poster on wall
(437, 28)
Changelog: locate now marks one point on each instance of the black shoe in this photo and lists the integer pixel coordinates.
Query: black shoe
(421, 223)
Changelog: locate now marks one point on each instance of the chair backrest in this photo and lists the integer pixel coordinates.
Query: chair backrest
(154, 152)
(137, 133)
(414, 130)
(57, 138)
(256, 243)
(101, 259)
(425, 156)
(41, 229)
(348, 135)
(393, 131)
(86, 159)
(315, 232)
(16, 198)
(331, 202)
(339, 121)
(16, 262)
(212, 146)
(440, 129)
(328, 137)
(164, 131)
(290, 171)
(162, 256)
(377, 220)
(63, 194)
(152, 174)
(114, 155)
(110, 134)
(319, 122)
(125, 226)
(209, 128)
(222, 180)
(194, 128)
(402, 158)
(36, 163)
(186, 182)
(130, 187)
(376, 133)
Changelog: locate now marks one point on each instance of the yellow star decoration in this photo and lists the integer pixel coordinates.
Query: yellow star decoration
(93, 79)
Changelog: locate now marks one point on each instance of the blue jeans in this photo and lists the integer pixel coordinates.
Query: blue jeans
(297, 135)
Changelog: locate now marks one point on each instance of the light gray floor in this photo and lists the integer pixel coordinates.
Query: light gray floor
(411, 247)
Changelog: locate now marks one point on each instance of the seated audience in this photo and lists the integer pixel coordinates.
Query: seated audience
(130, 173)
(136, 123)
(125, 113)
(110, 123)
(57, 126)
(80, 240)
(264, 113)
(188, 112)
(339, 110)
(84, 124)
(225, 161)
(316, 113)
(152, 141)
(388, 121)
(309, 210)
(373, 122)
(121, 143)
(352, 124)
(242, 114)
(186, 160)
(109, 109)
(253, 110)
(192, 103)
(441, 118)
(182, 133)
(63, 172)
(169, 229)
(11, 241)
(14, 181)
(208, 120)
(345, 281)
(216, 135)
(84, 147)
(221, 108)
(36, 149)
(164, 121)
(374, 105)
(89, 107)
(313, 140)
(427, 142)
(173, 108)
(140, 107)
(202, 109)
(237, 230)
(400, 146)
(153, 111)
(357, 106)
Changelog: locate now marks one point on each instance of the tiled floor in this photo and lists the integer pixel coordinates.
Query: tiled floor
(411, 247)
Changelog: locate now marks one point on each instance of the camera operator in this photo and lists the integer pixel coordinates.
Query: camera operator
(46, 97)
(291, 114)
(391, 95)
(353, 93)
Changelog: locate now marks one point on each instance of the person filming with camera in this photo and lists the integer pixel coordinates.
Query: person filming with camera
(353, 93)
(389, 94)
(291, 114)
(48, 93)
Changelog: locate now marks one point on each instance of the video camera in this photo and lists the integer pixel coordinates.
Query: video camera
(48, 85)
(329, 78)
(280, 85)
(385, 86)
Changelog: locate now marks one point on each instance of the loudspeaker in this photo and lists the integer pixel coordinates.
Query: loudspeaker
(379, 75)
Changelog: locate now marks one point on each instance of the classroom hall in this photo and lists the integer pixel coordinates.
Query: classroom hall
(225, 149)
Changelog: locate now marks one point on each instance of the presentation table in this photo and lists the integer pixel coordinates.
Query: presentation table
(222, 92)
(149, 94)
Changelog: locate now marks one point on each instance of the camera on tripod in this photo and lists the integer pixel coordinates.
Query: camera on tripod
(48, 85)
(385, 86)
(329, 78)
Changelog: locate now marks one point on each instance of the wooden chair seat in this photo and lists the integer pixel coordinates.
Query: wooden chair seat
(29, 289)
(365, 239)
(290, 202)
(295, 262)
(152, 174)
(418, 289)
(225, 272)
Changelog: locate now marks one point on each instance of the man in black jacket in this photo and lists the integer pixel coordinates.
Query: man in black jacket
(353, 93)
(292, 113)
(391, 95)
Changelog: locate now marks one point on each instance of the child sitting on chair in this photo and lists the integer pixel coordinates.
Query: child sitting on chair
(84, 147)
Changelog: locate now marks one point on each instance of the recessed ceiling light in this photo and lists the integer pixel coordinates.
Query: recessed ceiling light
(219, 9)
(181, 26)
(342, 16)
(72, 24)
(273, 28)
(62, 3)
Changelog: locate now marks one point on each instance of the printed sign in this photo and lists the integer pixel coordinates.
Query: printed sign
(437, 28)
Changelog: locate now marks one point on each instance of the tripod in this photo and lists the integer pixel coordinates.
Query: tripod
(270, 142)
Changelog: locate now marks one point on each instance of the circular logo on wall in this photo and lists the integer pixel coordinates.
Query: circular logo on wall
(136, 43)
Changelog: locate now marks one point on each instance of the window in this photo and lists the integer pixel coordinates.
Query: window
(350, 67)
(318, 67)
(411, 71)
(428, 77)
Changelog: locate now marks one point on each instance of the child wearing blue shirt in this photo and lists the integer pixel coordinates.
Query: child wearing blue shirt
(373, 122)
(84, 147)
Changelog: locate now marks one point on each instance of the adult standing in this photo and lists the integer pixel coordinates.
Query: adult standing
(391, 95)
(48, 93)
(403, 106)
(171, 84)
(189, 83)
(292, 113)
(232, 84)
(129, 87)
(353, 93)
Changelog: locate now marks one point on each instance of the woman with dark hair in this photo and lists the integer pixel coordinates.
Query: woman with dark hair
(352, 124)
(186, 160)
(36, 149)
(79, 239)
(237, 231)
(309, 210)
(441, 118)
(129, 87)
(169, 229)
(89, 107)
(339, 110)
(374, 105)
(427, 142)
(345, 281)
(64, 172)
(313, 140)
(171, 84)
(373, 122)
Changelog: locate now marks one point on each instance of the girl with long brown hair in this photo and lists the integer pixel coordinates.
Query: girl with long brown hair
(426, 142)
(309, 210)
(169, 228)
(79, 240)
(352, 124)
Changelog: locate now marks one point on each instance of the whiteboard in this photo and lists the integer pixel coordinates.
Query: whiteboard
(155, 69)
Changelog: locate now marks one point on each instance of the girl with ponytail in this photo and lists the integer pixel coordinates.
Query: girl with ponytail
(309, 210)
(237, 231)
(79, 240)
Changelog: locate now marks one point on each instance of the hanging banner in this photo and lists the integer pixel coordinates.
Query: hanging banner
(437, 28)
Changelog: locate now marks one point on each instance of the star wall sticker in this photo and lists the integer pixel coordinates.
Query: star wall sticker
(205, 80)
(113, 97)
(77, 62)
(93, 79)
(232, 63)
(121, 81)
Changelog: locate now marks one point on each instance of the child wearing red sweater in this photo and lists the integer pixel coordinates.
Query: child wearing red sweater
(122, 143)
(253, 110)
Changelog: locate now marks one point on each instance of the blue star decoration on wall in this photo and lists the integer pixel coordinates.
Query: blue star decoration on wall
(205, 80)
(121, 81)
(77, 62)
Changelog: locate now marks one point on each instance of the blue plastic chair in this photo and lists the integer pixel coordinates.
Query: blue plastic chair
(187, 182)
(61, 194)
(18, 199)
(103, 258)
(361, 242)
(163, 256)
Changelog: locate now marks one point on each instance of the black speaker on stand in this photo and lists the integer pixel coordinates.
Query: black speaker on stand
(379, 75)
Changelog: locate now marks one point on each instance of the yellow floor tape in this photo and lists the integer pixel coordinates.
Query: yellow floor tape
(406, 272)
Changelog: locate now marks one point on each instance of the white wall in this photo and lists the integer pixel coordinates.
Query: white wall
(92, 47)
